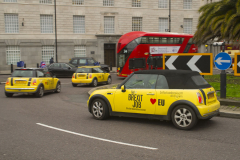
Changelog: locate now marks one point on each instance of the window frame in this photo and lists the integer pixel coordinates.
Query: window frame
(109, 24)
(163, 4)
(15, 50)
(136, 3)
(135, 26)
(187, 4)
(108, 3)
(79, 24)
(48, 51)
(11, 23)
(46, 23)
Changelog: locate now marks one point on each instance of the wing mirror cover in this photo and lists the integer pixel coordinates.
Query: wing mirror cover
(123, 88)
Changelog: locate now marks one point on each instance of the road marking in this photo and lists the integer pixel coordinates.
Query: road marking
(101, 139)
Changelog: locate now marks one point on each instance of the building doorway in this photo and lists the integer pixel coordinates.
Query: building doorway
(109, 54)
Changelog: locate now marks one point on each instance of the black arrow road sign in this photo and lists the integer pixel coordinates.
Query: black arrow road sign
(201, 62)
(237, 64)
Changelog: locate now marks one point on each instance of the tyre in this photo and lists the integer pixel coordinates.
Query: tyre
(99, 109)
(74, 85)
(58, 88)
(40, 92)
(94, 83)
(109, 81)
(183, 117)
(8, 94)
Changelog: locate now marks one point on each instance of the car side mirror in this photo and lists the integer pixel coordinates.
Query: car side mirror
(123, 88)
(69, 68)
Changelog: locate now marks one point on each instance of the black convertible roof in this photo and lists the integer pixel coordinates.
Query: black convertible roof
(177, 79)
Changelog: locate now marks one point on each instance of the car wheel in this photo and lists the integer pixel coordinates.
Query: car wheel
(74, 85)
(40, 92)
(99, 109)
(94, 83)
(8, 94)
(58, 88)
(183, 117)
(109, 81)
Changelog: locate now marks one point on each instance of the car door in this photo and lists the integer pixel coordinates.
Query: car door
(55, 69)
(49, 79)
(43, 80)
(165, 96)
(139, 97)
(97, 74)
(67, 70)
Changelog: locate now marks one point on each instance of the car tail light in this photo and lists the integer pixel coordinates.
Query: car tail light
(73, 75)
(90, 75)
(8, 82)
(34, 82)
(200, 100)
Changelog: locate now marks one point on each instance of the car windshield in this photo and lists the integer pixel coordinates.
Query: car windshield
(22, 73)
(84, 70)
(199, 80)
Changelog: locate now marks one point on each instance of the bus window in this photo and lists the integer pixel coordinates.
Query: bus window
(170, 40)
(150, 39)
(156, 40)
(164, 40)
(144, 40)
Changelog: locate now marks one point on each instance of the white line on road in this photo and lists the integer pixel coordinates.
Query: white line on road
(101, 139)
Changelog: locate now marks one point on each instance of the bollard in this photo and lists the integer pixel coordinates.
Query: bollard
(25, 65)
(110, 66)
(11, 68)
(37, 65)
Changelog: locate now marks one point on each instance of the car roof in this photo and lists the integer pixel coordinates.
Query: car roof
(177, 79)
(89, 67)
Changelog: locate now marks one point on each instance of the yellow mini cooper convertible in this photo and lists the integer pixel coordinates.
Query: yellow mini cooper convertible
(30, 80)
(90, 75)
(177, 95)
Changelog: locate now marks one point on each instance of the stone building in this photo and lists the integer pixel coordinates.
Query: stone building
(84, 27)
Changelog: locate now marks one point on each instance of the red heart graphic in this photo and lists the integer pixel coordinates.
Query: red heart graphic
(153, 100)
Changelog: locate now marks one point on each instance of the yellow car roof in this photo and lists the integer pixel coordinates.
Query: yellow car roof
(89, 67)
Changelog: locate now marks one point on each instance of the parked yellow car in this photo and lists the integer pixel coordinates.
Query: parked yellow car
(30, 80)
(90, 75)
(180, 96)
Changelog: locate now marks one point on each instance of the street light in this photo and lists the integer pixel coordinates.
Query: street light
(206, 47)
(55, 9)
(169, 19)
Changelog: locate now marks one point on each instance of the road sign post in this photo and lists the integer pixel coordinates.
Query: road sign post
(201, 62)
(237, 64)
(223, 61)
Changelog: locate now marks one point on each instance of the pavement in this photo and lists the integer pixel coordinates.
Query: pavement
(229, 108)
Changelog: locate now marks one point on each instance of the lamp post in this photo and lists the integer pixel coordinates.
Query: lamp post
(206, 47)
(55, 9)
(169, 19)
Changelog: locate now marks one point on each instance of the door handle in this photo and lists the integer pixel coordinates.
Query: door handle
(150, 94)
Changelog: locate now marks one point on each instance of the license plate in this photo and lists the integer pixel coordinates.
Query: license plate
(20, 82)
(211, 95)
(81, 75)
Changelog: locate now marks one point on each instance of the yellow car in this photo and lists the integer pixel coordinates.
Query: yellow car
(180, 96)
(90, 75)
(30, 80)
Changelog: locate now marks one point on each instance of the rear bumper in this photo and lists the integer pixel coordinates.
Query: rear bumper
(14, 89)
(209, 111)
(80, 81)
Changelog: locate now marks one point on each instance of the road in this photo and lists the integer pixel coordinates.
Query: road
(59, 126)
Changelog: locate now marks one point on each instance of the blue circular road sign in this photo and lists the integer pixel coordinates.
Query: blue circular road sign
(222, 61)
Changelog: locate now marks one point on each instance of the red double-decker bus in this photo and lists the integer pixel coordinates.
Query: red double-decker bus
(140, 44)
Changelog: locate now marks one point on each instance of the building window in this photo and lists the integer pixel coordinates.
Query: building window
(108, 2)
(187, 25)
(136, 3)
(45, 1)
(46, 22)
(78, 24)
(13, 55)
(11, 23)
(80, 51)
(187, 4)
(78, 2)
(163, 4)
(108, 24)
(137, 24)
(163, 24)
(47, 53)
(10, 0)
